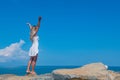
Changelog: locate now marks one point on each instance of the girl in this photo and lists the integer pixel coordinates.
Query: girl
(33, 52)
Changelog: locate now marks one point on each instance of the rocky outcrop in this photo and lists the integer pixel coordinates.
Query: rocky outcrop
(94, 71)
(28, 77)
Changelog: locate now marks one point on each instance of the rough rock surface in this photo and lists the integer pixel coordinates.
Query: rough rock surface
(94, 71)
(29, 77)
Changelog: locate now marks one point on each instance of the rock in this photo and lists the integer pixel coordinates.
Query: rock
(94, 71)
(6, 76)
(30, 77)
(117, 78)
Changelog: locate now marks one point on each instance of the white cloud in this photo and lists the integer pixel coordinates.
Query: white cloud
(14, 51)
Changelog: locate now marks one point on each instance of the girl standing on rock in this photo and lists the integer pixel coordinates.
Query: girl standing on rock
(33, 52)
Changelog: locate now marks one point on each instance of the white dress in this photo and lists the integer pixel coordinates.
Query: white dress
(34, 48)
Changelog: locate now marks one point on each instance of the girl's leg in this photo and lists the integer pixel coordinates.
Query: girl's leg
(33, 64)
(29, 63)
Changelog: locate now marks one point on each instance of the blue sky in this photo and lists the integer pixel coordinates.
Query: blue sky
(72, 32)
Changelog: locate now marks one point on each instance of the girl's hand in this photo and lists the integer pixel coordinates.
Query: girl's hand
(28, 23)
(39, 18)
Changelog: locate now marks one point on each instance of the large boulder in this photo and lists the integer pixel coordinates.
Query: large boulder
(94, 71)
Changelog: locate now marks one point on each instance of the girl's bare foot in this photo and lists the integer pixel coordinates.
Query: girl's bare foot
(32, 72)
(28, 71)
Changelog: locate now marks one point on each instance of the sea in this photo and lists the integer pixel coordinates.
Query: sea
(21, 71)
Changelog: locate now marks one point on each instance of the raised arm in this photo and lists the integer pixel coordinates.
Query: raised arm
(38, 24)
(39, 19)
(30, 26)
